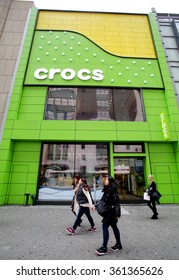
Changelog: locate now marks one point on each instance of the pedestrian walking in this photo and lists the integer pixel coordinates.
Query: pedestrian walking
(154, 197)
(75, 205)
(85, 201)
(111, 201)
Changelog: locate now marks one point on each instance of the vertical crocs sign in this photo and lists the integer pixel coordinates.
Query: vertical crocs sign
(164, 127)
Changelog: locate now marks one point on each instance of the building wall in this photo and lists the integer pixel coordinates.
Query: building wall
(13, 18)
(26, 129)
(169, 30)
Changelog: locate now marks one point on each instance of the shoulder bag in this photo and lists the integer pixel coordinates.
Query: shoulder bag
(156, 195)
(102, 208)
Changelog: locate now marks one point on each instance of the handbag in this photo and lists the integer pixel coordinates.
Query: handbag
(102, 208)
(156, 195)
(146, 196)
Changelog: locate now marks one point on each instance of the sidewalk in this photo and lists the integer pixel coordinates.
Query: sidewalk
(38, 233)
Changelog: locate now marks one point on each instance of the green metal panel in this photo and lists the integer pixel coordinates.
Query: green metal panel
(17, 199)
(96, 135)
(175, 186)
(58, 125)
(161, 148)
(18, 179)
(163, 165)
(60, 135)
(28, 154)
(24, 172)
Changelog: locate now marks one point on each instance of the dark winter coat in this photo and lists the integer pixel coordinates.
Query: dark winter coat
(81, 197)
(151, 189)
(111, 198)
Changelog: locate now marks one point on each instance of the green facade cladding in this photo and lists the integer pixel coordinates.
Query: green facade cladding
(57, 58)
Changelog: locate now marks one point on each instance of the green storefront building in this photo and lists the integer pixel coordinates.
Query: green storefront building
(92, 96)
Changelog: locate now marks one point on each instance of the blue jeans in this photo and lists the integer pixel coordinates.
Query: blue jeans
(81, 212)
(116, 232)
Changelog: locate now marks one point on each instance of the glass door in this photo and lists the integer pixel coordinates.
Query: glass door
(129, 172)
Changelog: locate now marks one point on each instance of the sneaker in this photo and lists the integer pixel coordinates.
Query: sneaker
(116, 248)
(92, 229)
(70, 230)
(154, 217)
(101, 251)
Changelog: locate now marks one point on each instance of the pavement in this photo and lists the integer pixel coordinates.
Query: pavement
(38, 233)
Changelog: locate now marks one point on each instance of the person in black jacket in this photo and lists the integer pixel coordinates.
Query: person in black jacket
(85, 202)
(152, 202)
(110, 218)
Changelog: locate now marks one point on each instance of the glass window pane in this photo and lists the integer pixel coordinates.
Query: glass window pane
(127, 105)
(86, 104)
(175, 73)
(129, 172)
(59, 164)
(173, 55)
(104, 104)
(129, 148)
(170, 42)
(166, 31)
(61, 104)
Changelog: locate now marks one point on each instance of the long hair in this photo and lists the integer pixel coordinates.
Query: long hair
(111, 180)
(84, 184)
(77, 180)
(83, 180)
(76, 177)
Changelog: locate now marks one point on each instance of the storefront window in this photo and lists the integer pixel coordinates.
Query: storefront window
(59, 164)
(94, 104)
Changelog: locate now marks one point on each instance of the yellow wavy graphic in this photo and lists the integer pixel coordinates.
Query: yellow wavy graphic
(125, 35)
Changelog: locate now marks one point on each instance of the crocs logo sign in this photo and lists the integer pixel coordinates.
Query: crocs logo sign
(164, 126)
(69, 74)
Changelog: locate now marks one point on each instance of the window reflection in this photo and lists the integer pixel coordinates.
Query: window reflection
(86, 104)
(61, 104)
(61, 162)
(129, 148)
(94, 104)
(127, 105)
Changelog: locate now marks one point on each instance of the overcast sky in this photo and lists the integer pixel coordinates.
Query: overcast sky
(120, 6)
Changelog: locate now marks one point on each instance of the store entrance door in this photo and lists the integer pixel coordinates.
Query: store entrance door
(129, 172)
